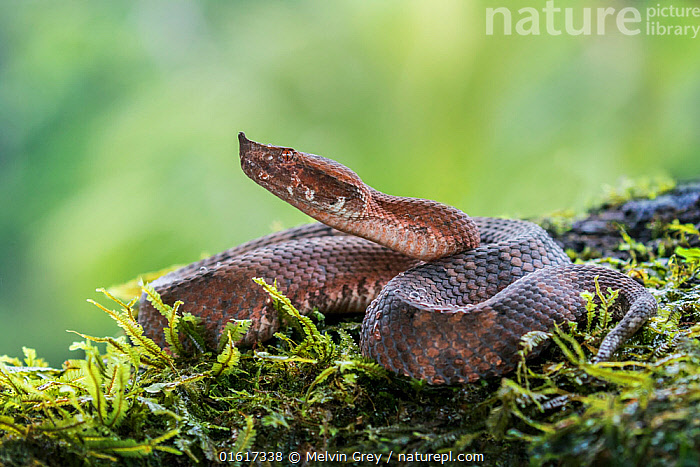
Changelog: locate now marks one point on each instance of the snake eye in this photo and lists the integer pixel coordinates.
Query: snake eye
(287, 155)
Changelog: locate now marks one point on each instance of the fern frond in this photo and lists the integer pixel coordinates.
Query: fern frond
(122, 347)
(324, 375)
(282, 303)
(368, 368)
(227, 359)
(125, 320)
(285, 358)
(130, 447)
(71, 376)
(622, 378)
(590, 308)
(125, 306)
(190, 326)
(169, 386)
(347, 343)
(577, 356)
(170, 313)
(245, 439)
(93, 384)
(64, 424)
(157, 409)
(529, 341)
(18, 384)
(604, 312)
(14, 361)
(238, 328)
(349, 368)
(8, 424)
(117, 376)
(521, 394)
(31, 360)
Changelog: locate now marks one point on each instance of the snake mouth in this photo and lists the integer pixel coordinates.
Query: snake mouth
(252, 156)
(245, 147)
(247, 153)
(268, 166)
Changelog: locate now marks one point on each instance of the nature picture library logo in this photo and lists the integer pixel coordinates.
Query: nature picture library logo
(659, 19)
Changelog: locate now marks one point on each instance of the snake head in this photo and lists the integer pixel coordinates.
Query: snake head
(320, 187)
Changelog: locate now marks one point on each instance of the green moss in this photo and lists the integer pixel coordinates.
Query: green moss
(310, 390)
(628, 189)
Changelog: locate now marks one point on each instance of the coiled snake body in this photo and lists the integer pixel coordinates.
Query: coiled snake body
(447, 297)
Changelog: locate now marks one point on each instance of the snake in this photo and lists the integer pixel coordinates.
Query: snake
(446, 297)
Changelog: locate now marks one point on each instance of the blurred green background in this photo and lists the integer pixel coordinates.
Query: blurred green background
(118, 123)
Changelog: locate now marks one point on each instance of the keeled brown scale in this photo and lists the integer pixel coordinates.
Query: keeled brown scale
(450, 320)
(329, 272)
(461, 343)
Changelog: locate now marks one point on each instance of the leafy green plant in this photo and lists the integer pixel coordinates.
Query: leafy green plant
(340, 360)
(90, 407)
